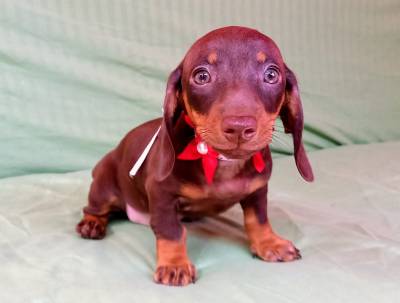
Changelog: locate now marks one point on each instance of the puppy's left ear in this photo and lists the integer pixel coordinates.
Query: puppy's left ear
(292, 117)
(171, 112)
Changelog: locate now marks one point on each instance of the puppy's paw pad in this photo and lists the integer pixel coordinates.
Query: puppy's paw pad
(91, 228)
(175, 275)
(277, 250)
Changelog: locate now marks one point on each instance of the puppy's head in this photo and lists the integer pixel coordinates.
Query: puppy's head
(233, 84)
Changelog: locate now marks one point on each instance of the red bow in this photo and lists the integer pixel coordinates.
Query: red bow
(209, 157)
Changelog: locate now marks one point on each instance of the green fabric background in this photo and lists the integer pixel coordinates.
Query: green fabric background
(75, 76)
(346, 225)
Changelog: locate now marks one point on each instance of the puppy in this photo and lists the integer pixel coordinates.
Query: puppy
(208, 152)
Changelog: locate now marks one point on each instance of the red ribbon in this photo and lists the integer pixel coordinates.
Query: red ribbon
(210, 159)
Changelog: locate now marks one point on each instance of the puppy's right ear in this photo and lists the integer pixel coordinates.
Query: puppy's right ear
(171, 111)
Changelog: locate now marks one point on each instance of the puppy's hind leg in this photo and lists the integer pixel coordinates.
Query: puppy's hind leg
(103, 201)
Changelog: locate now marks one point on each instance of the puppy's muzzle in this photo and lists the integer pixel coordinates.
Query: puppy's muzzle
(239, 128)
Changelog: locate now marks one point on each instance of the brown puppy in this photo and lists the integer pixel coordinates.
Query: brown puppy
(210, 153)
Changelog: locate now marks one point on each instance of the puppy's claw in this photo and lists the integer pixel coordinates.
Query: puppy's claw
(276, 251)
(91, 227)
(175, 275)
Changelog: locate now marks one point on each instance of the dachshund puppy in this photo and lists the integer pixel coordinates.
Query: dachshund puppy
(208, 152)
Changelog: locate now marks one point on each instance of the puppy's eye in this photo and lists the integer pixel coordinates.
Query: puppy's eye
(202, 77)
(271, 75)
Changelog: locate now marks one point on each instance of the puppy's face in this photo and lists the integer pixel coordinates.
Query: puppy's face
(233, 86)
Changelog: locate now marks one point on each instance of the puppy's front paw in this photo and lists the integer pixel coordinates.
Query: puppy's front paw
(175, 275)
(276, 249)
(92, 227)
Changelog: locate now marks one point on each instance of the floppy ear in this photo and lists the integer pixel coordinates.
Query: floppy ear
(292, 117)
(171, 111)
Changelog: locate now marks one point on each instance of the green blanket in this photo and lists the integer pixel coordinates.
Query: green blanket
(346, 225)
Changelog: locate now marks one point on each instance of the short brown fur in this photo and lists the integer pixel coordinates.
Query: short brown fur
(212, 58)
(233, 109)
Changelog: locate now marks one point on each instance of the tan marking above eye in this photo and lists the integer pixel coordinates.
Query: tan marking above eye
(261, 57)
(212, 58)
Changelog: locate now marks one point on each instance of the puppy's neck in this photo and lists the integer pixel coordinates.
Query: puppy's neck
(229, 168)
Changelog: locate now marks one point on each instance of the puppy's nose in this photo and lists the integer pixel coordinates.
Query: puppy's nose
(239, 128)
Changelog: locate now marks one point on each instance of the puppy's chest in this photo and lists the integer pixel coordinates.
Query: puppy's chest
(230, 185)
